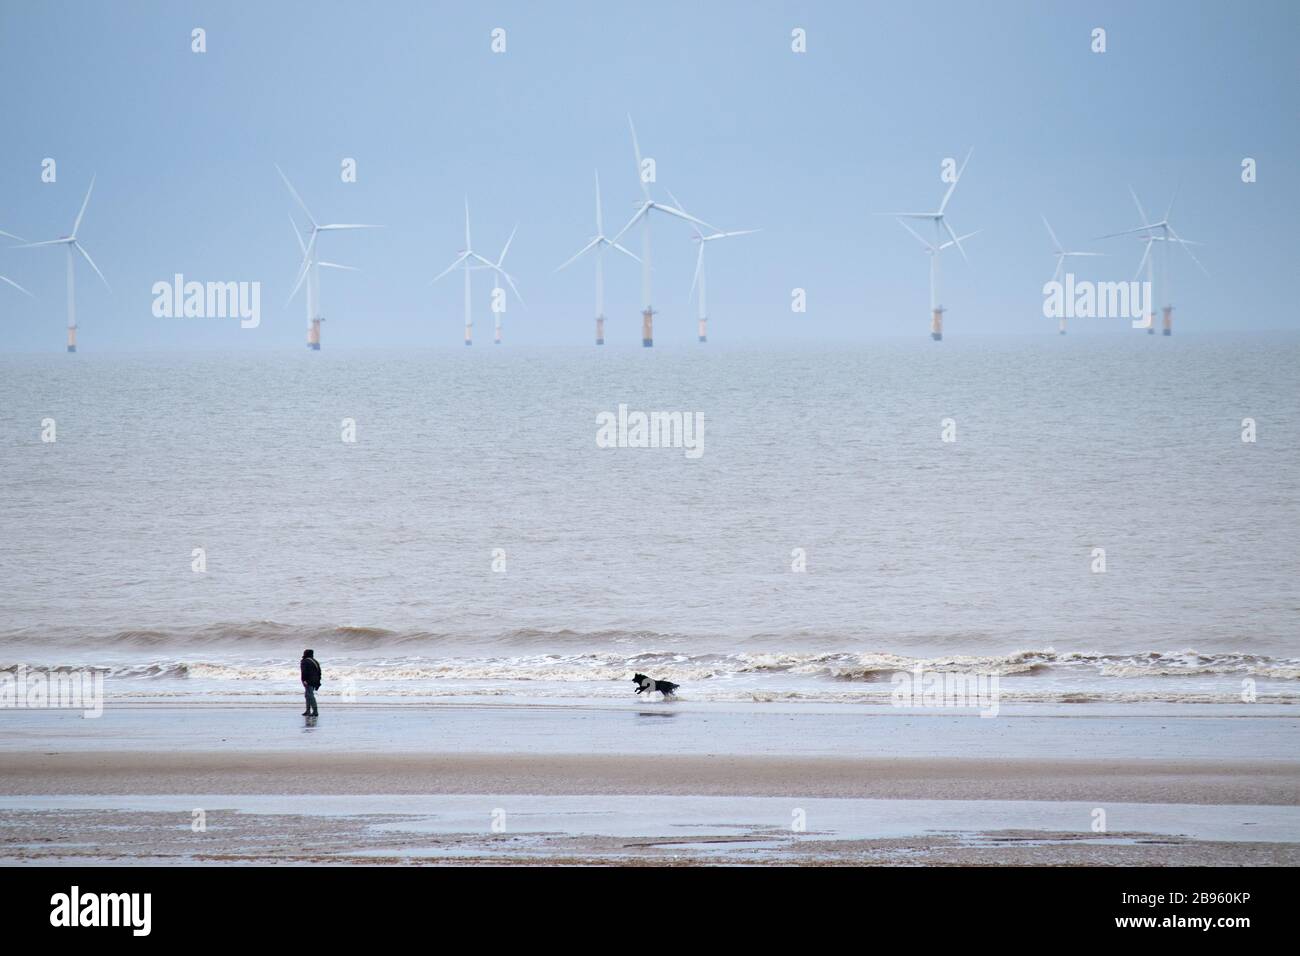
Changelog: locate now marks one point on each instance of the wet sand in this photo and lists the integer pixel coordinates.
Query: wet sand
(1001, 778)
(608, 786)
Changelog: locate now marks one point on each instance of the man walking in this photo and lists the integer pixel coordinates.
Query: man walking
(310, 671)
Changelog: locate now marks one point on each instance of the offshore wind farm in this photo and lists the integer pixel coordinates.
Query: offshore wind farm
(701, 234)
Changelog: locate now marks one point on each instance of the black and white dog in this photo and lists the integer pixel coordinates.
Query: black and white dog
(646, 684)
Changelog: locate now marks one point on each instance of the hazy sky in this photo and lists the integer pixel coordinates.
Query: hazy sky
(745, 132)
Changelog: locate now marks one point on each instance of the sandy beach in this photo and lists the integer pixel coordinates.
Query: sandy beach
(610, 785)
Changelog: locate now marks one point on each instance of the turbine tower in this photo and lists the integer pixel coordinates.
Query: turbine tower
(310, 268)
(313, 287)
(1160, 231)
(642, 214)
(941, 225)
(936, 327)
(1061, 257)
(71, 244)
(598, 242)
(699, 280)
(498, 271)
(469, 260)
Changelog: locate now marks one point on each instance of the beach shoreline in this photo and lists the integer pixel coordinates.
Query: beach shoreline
(646, 784)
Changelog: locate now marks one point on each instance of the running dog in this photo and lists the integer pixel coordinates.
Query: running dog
(647, 685)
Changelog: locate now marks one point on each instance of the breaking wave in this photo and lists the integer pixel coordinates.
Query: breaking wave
(611, 665)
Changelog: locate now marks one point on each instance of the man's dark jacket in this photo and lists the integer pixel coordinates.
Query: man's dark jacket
(311, 672)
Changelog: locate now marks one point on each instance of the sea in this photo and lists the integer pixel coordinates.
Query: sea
(1092, 519)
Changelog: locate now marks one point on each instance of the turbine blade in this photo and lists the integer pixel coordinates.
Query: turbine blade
(927, 245)
(600, 219)
(294, 193)
(458, 260)
(303, 268)
(506, 275)
(302, 246)
(945, 245)
(735, 232)
(16, 286)
(578, 255)
(10, 235)
(1174, 198)
(682, 215)
(1141, 212)
(86, 255)
(1146, 251)
(1051, 232)
(499, 273)
(699, 267)
(636, 148)
(47, 242)
(624, 251)
(956, 239)
(1126, 232)
(335, 265)
(84, 203)
(956, 179)
(1187, 250)
(468, 245)
(645, 208)
(347, 225)
(683, 209)
(506, 248)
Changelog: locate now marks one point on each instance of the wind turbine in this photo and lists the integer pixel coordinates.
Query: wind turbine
(1061, 257)
(642, 214)
(497, 294)
(469, 260)
(598, 242)
(310, 268)
(940, 226)
(313, 288)
(70, 243)
(1160, 231)
(699, 280)
(6, 279)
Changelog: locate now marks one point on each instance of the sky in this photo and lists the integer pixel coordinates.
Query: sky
(745, 132)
